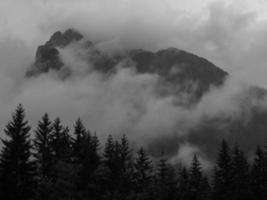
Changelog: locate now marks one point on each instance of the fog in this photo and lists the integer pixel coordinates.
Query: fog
(231, 34)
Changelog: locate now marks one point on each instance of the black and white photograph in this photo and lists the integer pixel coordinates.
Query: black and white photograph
(133, 100)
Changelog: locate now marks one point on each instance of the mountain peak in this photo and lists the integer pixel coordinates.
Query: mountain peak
(173, 65)
(59, 39)
(47, 56)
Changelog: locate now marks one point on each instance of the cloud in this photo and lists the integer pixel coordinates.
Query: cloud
(232, 34)
(185, 156)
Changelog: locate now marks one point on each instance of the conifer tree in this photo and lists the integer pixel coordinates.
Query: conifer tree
(161, 188)
(125, 160)
(259, 175)
(17, 171)
(61, 141)
(240, 175)
(162, 173)
(143, 169)
(195, 178)
(90, 167)
(63, 173)
(88, 162)
(81, 137)
(222, 173)
(109, 151)
(205, 189)
(183, 184)
(165, 180)
(43, 148)
(113, 158)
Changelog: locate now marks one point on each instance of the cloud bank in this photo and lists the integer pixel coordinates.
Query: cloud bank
(232, 34)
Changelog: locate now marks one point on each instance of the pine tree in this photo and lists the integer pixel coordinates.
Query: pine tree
(112, 158)
(222, 173)
(81, 137)
(183, 184)
(43, 148)
(240, 175)
(118, 160)
(143, 170)
(88, 162)
(110, 163)
(126, 164)
(165, 181)
(195, 179)
(161, 188)
(259, 175)
(90, 165)
(61, 141)
(109, 151)
(205, 189)
(63, 173)
(17, 171)
(162, 174)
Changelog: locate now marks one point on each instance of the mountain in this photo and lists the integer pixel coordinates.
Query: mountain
(47, 55)
(179, 72)
(174, 66)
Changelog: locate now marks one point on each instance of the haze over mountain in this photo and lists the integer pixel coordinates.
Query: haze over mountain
(174, 76)
(185, 80)
(180, 69)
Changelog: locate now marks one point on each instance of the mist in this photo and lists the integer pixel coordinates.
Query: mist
(127, 102)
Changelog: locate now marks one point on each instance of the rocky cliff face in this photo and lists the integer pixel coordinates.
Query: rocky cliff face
(177, 67)
(47, 55)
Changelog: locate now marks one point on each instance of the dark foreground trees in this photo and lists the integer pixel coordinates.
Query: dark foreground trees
(17, 170)
(56, 164)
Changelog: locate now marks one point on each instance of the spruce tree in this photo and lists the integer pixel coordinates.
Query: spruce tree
(161, 188)
(64, 173)
(109, 151)
(112, 158)
(143, 170)
(195, 179)
(61, 141)
(17, 170)
(165, 181)
(222, 173)
(126, 162)
(81, 137)
(183, 184)
(162, 173)
(259, 175)
(89, 169)
(43, 148)
(240, 175)
(205, 189)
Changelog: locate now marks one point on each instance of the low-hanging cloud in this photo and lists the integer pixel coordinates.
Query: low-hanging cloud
(230, 34)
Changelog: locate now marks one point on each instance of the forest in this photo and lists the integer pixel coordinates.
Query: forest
(50, 162)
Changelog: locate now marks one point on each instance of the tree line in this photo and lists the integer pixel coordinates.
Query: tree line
(50, 163)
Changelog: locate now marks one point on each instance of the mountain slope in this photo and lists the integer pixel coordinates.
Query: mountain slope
(178, 67)
(179, 72)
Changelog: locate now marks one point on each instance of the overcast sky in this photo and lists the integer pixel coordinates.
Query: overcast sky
(231, 33)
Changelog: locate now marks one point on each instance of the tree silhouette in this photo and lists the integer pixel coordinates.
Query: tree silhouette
(80, 139)
(259, 175)
(195, 179)
(64, 167)
(143, 170)
(17, 170)
(240, 175)
(222, 173)
(183, 184)
(61, 141)
(42, 146)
